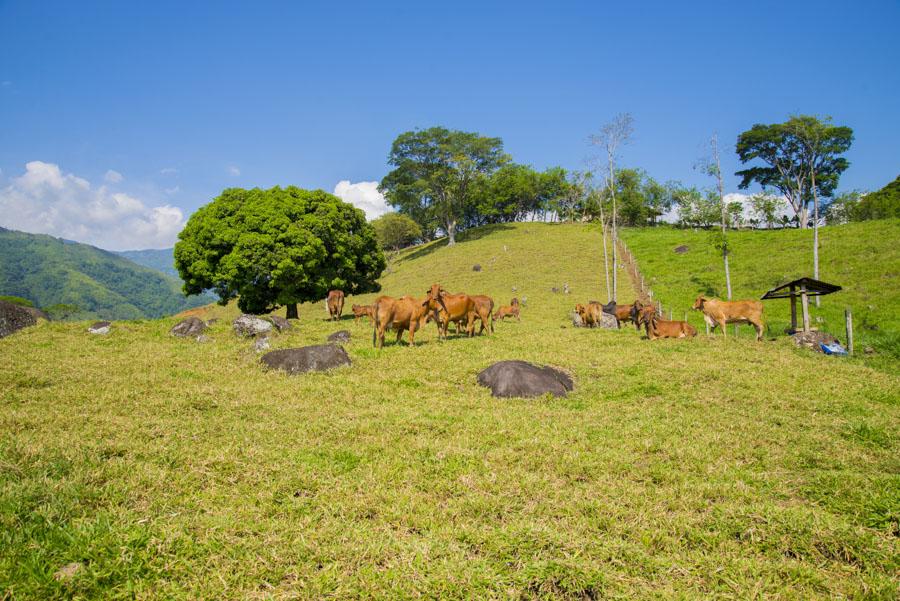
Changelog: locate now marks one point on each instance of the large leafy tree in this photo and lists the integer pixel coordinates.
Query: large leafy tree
(277, 247)
(800, 158)
(436, 172)
(395, 230)
(514, 192)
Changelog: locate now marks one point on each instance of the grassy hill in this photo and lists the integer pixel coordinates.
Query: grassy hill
(159, 259)
(861, 257)
(50, 271)
(168, 468)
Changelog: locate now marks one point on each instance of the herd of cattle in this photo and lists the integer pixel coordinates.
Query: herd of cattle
(438, 305)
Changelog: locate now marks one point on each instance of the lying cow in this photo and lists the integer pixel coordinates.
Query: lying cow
(335, 304)
(404, 313)
(721, 313)
(362, 311)
(510, 310)
(658, 328)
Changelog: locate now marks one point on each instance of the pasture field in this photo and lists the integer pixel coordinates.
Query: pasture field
(862, 257)
(168, 468)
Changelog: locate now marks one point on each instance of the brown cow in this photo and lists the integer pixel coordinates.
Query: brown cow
(624, 313)
(510, 310)
(657, 328)
(452, 307)
(404, 313)
(721, 313)
(335, 304)
(590, 313)
(362, 311)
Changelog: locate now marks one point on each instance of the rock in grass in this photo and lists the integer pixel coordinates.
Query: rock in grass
(190, 327)
(476, 267)
(281, 324)
(680, 250)
(523, 379)
(13, 318)
(813, 340)
(251, 325)
(261, 344)
(319, 357)
(67, 572)
(341, 336)
(100, 327)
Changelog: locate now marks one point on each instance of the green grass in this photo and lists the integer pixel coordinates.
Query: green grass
(676, 469)
(861, 257)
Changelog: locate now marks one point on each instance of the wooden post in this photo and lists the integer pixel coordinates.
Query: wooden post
(804, 302)
(793, 310)
(848, 317)
(670, 314)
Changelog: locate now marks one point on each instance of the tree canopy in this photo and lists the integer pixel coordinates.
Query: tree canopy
(794, 154)
(882, 204)
(395, 230)
(277, 247)
(436, 173)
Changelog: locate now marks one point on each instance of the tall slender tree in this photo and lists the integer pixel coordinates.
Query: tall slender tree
(712, 166)
(611, 136)
(821, 143)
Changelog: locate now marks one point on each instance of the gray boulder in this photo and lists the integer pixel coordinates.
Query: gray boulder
(262, 344)
(13, 318)
(341, 336)
(608, 321)
(190, 327)
(319, 357)
(100, 327)
(251, 325)
(680, 250)
(281, 324)
(523, 379)
(476, 267)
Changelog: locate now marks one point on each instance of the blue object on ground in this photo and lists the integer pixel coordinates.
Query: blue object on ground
(833, 349)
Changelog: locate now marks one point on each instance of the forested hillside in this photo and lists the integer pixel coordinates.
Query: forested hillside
(49, 271)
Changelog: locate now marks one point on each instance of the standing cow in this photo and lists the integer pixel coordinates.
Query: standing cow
(335, 304)
(404, 313)
(720, 313)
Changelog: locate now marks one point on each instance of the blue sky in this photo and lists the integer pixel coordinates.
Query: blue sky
(143, 106)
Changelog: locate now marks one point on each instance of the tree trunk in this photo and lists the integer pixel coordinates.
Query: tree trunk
(451, 233)
(722, 203)
(605, 257)
(615, 230)
(812, 174)
(292, 311)
(803, 216)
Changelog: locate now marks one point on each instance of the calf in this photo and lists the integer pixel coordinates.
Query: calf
(404, 313)
(657, 328)
(510, 310)
(362, 311)
(335, 304)
(721, 313)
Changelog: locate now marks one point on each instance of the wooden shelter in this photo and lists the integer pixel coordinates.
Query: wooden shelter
(804, 288)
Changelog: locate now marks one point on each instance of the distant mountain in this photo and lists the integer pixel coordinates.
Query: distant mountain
(161, 260)
(49, 271)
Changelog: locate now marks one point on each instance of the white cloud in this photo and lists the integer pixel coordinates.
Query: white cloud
(233, 171)
(168, 171)
(363, 195)
(113, 177)
(174, 190)
(45, 200)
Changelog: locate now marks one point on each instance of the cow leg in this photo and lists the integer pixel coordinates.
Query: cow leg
(412, 333)
(724, 325)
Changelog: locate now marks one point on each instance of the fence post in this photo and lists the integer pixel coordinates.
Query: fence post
(848, 316)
